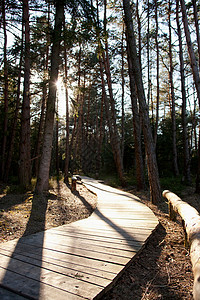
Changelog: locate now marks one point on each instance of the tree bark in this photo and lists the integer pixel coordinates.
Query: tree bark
(43, 176)
(136, 126)
(114, 138)
(66, 174)
(44, 101)
(157, 74)
(148, 56)
(123, 84)
(139, 34)
(193, 61)
(25, 147)
(103, 98)
(198, 43)
(196, 76)
(154, 183)
(56, 136)
(15, 118)
(173, 112)
(5, 128)
(197, 27)
(187, 176)
(75, 131)
(101, 134)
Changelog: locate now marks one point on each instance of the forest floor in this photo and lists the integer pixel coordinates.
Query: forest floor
(162, 270)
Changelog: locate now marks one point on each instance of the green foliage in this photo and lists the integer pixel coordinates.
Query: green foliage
(79, 33)
(111, 179)
(164, 146)
(14, 188)
(174, 184)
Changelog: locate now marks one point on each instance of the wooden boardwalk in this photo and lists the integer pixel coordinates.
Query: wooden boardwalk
(80, 260)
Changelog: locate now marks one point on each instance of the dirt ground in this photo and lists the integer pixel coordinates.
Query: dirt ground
(19, 213)
(162, 270)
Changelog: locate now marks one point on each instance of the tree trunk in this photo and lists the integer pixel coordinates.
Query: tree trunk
(139, 34)
(79, 137)
(5, 128)
(198, 43)
(115, 138)
(148, 56)
(43, 176)
(99, 160)
(136, 126)
(173, 113)
(193, 61)
(15, 118)
(196, 76)
(75, 130)
(148, 138)
(25, 147)
(123, 84)
(40, 131)
(66, 172)
(187, 176)
(44, 101)
(197, 27)
(157, 75)
(56, 136)
(103, 98)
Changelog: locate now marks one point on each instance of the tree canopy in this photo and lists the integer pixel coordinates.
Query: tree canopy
(100, 88)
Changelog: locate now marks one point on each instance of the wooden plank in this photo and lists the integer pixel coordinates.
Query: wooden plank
(18, 260)
(105, 235)
(77, 249)
(9, 295)
(65, 257)
(69, 266)
(79, 260)
(35, 289)
(87, 237)
(48, 277)
(73, 251)
(105, 248)
(98, 230)
(95, 268)
(114, 243)
(103, 229)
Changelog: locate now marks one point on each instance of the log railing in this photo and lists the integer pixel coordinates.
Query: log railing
(191, 223)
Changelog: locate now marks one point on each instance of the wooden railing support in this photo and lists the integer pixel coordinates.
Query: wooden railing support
(73, 186)
(191, 225)
(172, 213)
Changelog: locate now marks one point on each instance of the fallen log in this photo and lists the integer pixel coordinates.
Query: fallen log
(191, 222)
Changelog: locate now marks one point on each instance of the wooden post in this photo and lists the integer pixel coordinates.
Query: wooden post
(186, 242)
(172, 214)
(73, 187)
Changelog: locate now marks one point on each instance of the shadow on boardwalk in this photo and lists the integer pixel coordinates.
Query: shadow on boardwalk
(38, 213)
(125, 235)
(29, 283)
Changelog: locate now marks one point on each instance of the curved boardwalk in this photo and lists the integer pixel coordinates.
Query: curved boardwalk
(80, 260)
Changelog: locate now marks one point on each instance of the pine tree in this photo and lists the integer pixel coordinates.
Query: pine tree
(149, 143)
(43, 176)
